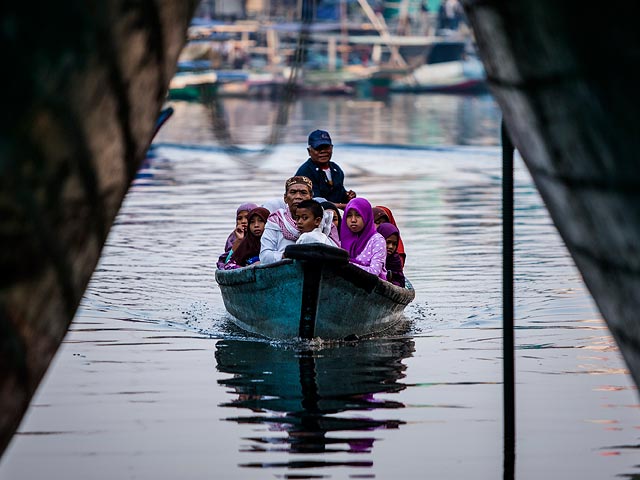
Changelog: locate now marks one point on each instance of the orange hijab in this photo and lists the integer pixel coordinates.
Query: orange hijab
(392, 220)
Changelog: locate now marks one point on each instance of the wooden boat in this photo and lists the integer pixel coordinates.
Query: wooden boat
(314, 292)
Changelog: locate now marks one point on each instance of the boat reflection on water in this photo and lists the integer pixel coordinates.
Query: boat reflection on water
(299, 391)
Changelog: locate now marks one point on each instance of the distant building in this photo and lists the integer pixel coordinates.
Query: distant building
(223, 9)
(258, 8)
(230, 8)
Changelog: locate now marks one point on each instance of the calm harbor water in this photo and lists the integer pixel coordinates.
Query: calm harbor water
(153, 381)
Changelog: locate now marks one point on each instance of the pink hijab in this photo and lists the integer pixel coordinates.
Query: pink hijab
(354, 243)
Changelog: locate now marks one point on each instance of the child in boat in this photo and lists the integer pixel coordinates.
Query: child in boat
(247, 252)
(314, 223)
(394, 262)
(380, 216)
(383, 215)
(367, 248)
(337, 219)
(242, 222)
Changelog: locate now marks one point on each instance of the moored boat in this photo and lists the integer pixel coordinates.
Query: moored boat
(459, 76)
(195, 86)
(314, 292)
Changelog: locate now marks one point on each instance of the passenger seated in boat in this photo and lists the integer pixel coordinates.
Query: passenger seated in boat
(327, 176)
(327, 205)
(383, 215)
(394, 262)
(379, 216)
(367, 248)
(281, 229)
(247, 251)
(242, 221)
(314, 223)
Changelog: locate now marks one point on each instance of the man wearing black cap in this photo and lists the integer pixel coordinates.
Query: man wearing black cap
(327, 176)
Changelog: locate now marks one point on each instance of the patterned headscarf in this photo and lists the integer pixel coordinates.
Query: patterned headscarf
(354, 243)
(285, 222)
(298, 179)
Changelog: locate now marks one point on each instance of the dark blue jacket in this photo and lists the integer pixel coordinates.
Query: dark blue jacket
(335, 193)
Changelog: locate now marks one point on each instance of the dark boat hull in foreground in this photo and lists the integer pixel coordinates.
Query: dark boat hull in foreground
(314, 292)
(569, 93)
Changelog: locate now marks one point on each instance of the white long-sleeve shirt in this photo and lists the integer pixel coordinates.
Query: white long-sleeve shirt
(272, 244)
(315, 236)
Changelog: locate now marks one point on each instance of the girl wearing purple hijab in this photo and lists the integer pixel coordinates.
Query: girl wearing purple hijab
(358, 236)
(393, 264)
(242, 223)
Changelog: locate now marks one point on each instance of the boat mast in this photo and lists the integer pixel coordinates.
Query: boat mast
(381, 26)
(344, 32)
(403, 18)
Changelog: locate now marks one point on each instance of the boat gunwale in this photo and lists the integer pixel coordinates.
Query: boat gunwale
(353, 274)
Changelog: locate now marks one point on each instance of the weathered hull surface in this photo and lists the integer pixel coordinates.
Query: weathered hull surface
(87, 81)
(307, 298)
(566, 78)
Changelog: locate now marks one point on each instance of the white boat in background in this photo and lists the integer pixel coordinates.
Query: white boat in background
(461, 76)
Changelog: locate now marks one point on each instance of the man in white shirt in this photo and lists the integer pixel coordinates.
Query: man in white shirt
(281, 229)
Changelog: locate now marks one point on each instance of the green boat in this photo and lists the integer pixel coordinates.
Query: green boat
(193, 86)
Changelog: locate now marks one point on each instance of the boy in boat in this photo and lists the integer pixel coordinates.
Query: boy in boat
(314, 223)
(327, 177)
(394, 262)
(281, 229)
(367, 248)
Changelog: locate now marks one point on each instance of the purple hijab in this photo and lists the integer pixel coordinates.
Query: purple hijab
(388, 229)
(245, 206)
(394, 262)
(354, 243)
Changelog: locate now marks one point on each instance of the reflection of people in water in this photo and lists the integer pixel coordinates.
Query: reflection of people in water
(309, 387)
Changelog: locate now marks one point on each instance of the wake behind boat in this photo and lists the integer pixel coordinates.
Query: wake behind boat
(314, 292)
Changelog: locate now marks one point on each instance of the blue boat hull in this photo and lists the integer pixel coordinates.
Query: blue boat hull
(313, 293)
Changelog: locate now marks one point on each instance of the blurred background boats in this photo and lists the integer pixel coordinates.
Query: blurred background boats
(70, 132)
(358, 47)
